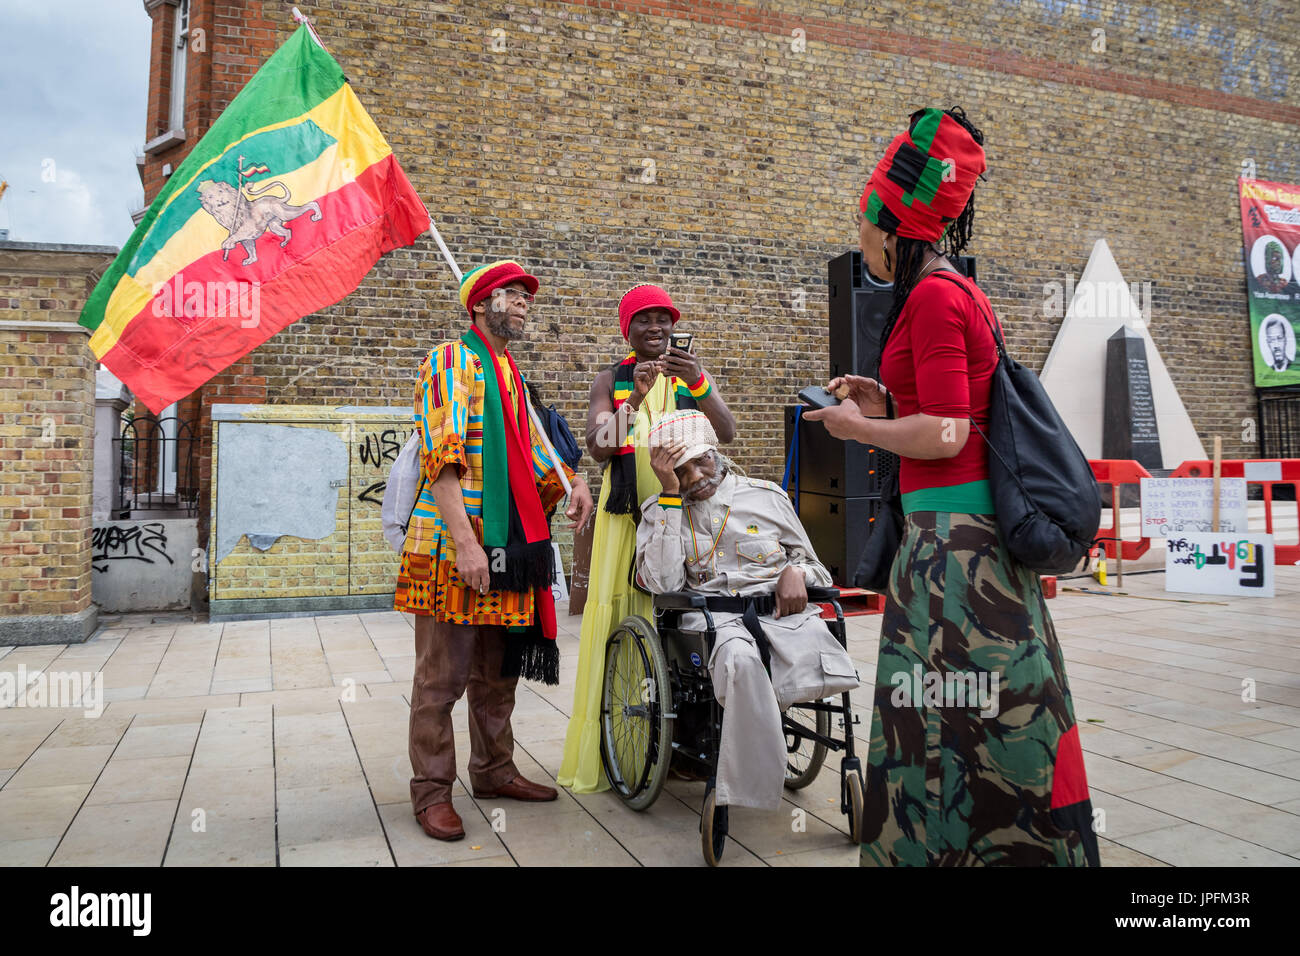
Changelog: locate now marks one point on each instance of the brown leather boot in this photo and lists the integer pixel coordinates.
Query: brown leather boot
(520, 789)
(441, 821)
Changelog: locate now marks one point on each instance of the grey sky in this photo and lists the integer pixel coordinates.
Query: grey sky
(74, 80)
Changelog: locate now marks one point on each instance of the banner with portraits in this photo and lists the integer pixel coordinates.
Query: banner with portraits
(1270, 225)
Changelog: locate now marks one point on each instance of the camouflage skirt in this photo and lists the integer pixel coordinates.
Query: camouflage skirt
(975, 756)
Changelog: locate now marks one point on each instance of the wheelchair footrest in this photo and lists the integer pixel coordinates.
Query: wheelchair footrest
(856, 601)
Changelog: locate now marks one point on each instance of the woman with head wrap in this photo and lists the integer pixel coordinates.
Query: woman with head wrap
(626, 401)
(996, 776)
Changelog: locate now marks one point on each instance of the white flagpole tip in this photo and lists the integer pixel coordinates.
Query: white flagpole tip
(299, 18)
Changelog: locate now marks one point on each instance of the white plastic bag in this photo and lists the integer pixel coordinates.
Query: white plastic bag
(399, 493)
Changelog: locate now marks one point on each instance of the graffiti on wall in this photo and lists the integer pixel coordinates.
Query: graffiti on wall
(141, 542)
(375, 454)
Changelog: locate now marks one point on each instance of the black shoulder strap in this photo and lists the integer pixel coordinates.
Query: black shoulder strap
(993, 327)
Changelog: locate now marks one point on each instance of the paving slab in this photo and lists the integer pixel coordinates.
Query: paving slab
(284, 742)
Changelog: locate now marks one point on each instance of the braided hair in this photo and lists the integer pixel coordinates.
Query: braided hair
(913, 254)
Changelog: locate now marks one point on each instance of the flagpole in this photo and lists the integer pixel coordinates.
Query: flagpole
(446, 253)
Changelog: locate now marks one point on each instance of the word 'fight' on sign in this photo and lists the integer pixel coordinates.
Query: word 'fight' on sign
(1208, 563)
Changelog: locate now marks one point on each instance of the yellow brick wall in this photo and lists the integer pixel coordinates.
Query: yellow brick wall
(529, 131)
(47, 422)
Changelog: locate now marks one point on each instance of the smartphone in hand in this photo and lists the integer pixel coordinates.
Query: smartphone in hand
(680, 340)
(817, 397)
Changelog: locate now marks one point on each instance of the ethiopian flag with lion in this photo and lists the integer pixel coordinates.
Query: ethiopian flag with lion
(279, 211)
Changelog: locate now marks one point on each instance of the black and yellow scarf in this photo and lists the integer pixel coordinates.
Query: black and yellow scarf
(621, 472)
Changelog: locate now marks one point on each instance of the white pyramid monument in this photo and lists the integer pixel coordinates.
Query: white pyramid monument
(1075, 371)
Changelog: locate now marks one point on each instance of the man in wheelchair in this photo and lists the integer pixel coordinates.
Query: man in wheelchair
(739, 541)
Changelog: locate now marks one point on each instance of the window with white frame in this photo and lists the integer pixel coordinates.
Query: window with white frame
(179, 49)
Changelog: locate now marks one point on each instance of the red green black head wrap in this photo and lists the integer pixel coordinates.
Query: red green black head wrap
(925, 179)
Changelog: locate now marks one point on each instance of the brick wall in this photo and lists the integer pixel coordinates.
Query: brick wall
(47, 424)
(531, 130)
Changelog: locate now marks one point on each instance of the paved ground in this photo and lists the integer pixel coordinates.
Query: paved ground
(230, 745)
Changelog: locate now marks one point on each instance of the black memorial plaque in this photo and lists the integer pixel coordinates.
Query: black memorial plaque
(1129, 429)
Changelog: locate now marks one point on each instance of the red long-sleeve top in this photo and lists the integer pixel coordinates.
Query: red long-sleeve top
(940, 360)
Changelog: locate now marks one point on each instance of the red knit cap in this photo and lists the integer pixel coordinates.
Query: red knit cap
(927, 175)
(641, 297)
(477, 284)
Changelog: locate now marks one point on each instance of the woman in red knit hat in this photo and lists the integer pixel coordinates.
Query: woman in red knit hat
(626, 400)
(995, 777)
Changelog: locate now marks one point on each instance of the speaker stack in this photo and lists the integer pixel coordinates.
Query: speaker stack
(840, 484)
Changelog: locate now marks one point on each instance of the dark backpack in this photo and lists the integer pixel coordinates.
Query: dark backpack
(1048, 504)
(557, 430)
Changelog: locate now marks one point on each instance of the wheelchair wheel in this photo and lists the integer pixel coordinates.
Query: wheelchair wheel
(713, 828)
(804, 755)
(856, 803)
(636, 731)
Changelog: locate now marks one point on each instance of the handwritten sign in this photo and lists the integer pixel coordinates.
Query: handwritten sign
(1206, 563)
(1172, 506)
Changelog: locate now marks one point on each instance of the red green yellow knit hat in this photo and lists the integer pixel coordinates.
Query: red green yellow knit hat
(925, 179)
(477, 284)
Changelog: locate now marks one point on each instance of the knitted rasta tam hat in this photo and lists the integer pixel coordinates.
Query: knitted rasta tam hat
(925, 179)
(477, 284)
(642, 297)
(690, 430)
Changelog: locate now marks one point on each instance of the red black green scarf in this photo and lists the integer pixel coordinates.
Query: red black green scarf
(516, 533)
(623, 498)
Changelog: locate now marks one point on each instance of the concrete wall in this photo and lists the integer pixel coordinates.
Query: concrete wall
(145, 565)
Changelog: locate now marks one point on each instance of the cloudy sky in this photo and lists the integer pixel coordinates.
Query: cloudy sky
(74, 78)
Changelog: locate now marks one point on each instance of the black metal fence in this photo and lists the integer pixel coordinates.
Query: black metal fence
(1279, 424)
(159, 465)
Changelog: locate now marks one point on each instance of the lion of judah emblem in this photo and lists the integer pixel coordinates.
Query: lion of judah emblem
(247, 215)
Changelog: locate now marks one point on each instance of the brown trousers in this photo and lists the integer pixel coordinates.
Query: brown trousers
(449, 659)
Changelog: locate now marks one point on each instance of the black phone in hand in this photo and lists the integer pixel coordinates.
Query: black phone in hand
(817, 397)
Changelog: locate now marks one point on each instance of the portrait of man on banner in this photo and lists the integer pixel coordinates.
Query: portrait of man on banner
(1277, 343)
(1270, 226)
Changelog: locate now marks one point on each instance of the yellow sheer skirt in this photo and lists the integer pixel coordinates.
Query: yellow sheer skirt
(610, 598)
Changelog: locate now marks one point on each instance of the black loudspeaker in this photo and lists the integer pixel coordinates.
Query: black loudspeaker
(828, 466)
(858, 304)
(838, 529)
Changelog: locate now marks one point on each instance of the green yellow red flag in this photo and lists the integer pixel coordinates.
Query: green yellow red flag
(280, 210)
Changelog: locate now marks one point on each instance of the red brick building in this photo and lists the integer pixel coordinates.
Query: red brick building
(719, 148)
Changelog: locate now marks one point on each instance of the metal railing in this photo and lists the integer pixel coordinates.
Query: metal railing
(158, 460)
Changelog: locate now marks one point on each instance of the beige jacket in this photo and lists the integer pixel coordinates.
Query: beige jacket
(737, 542)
